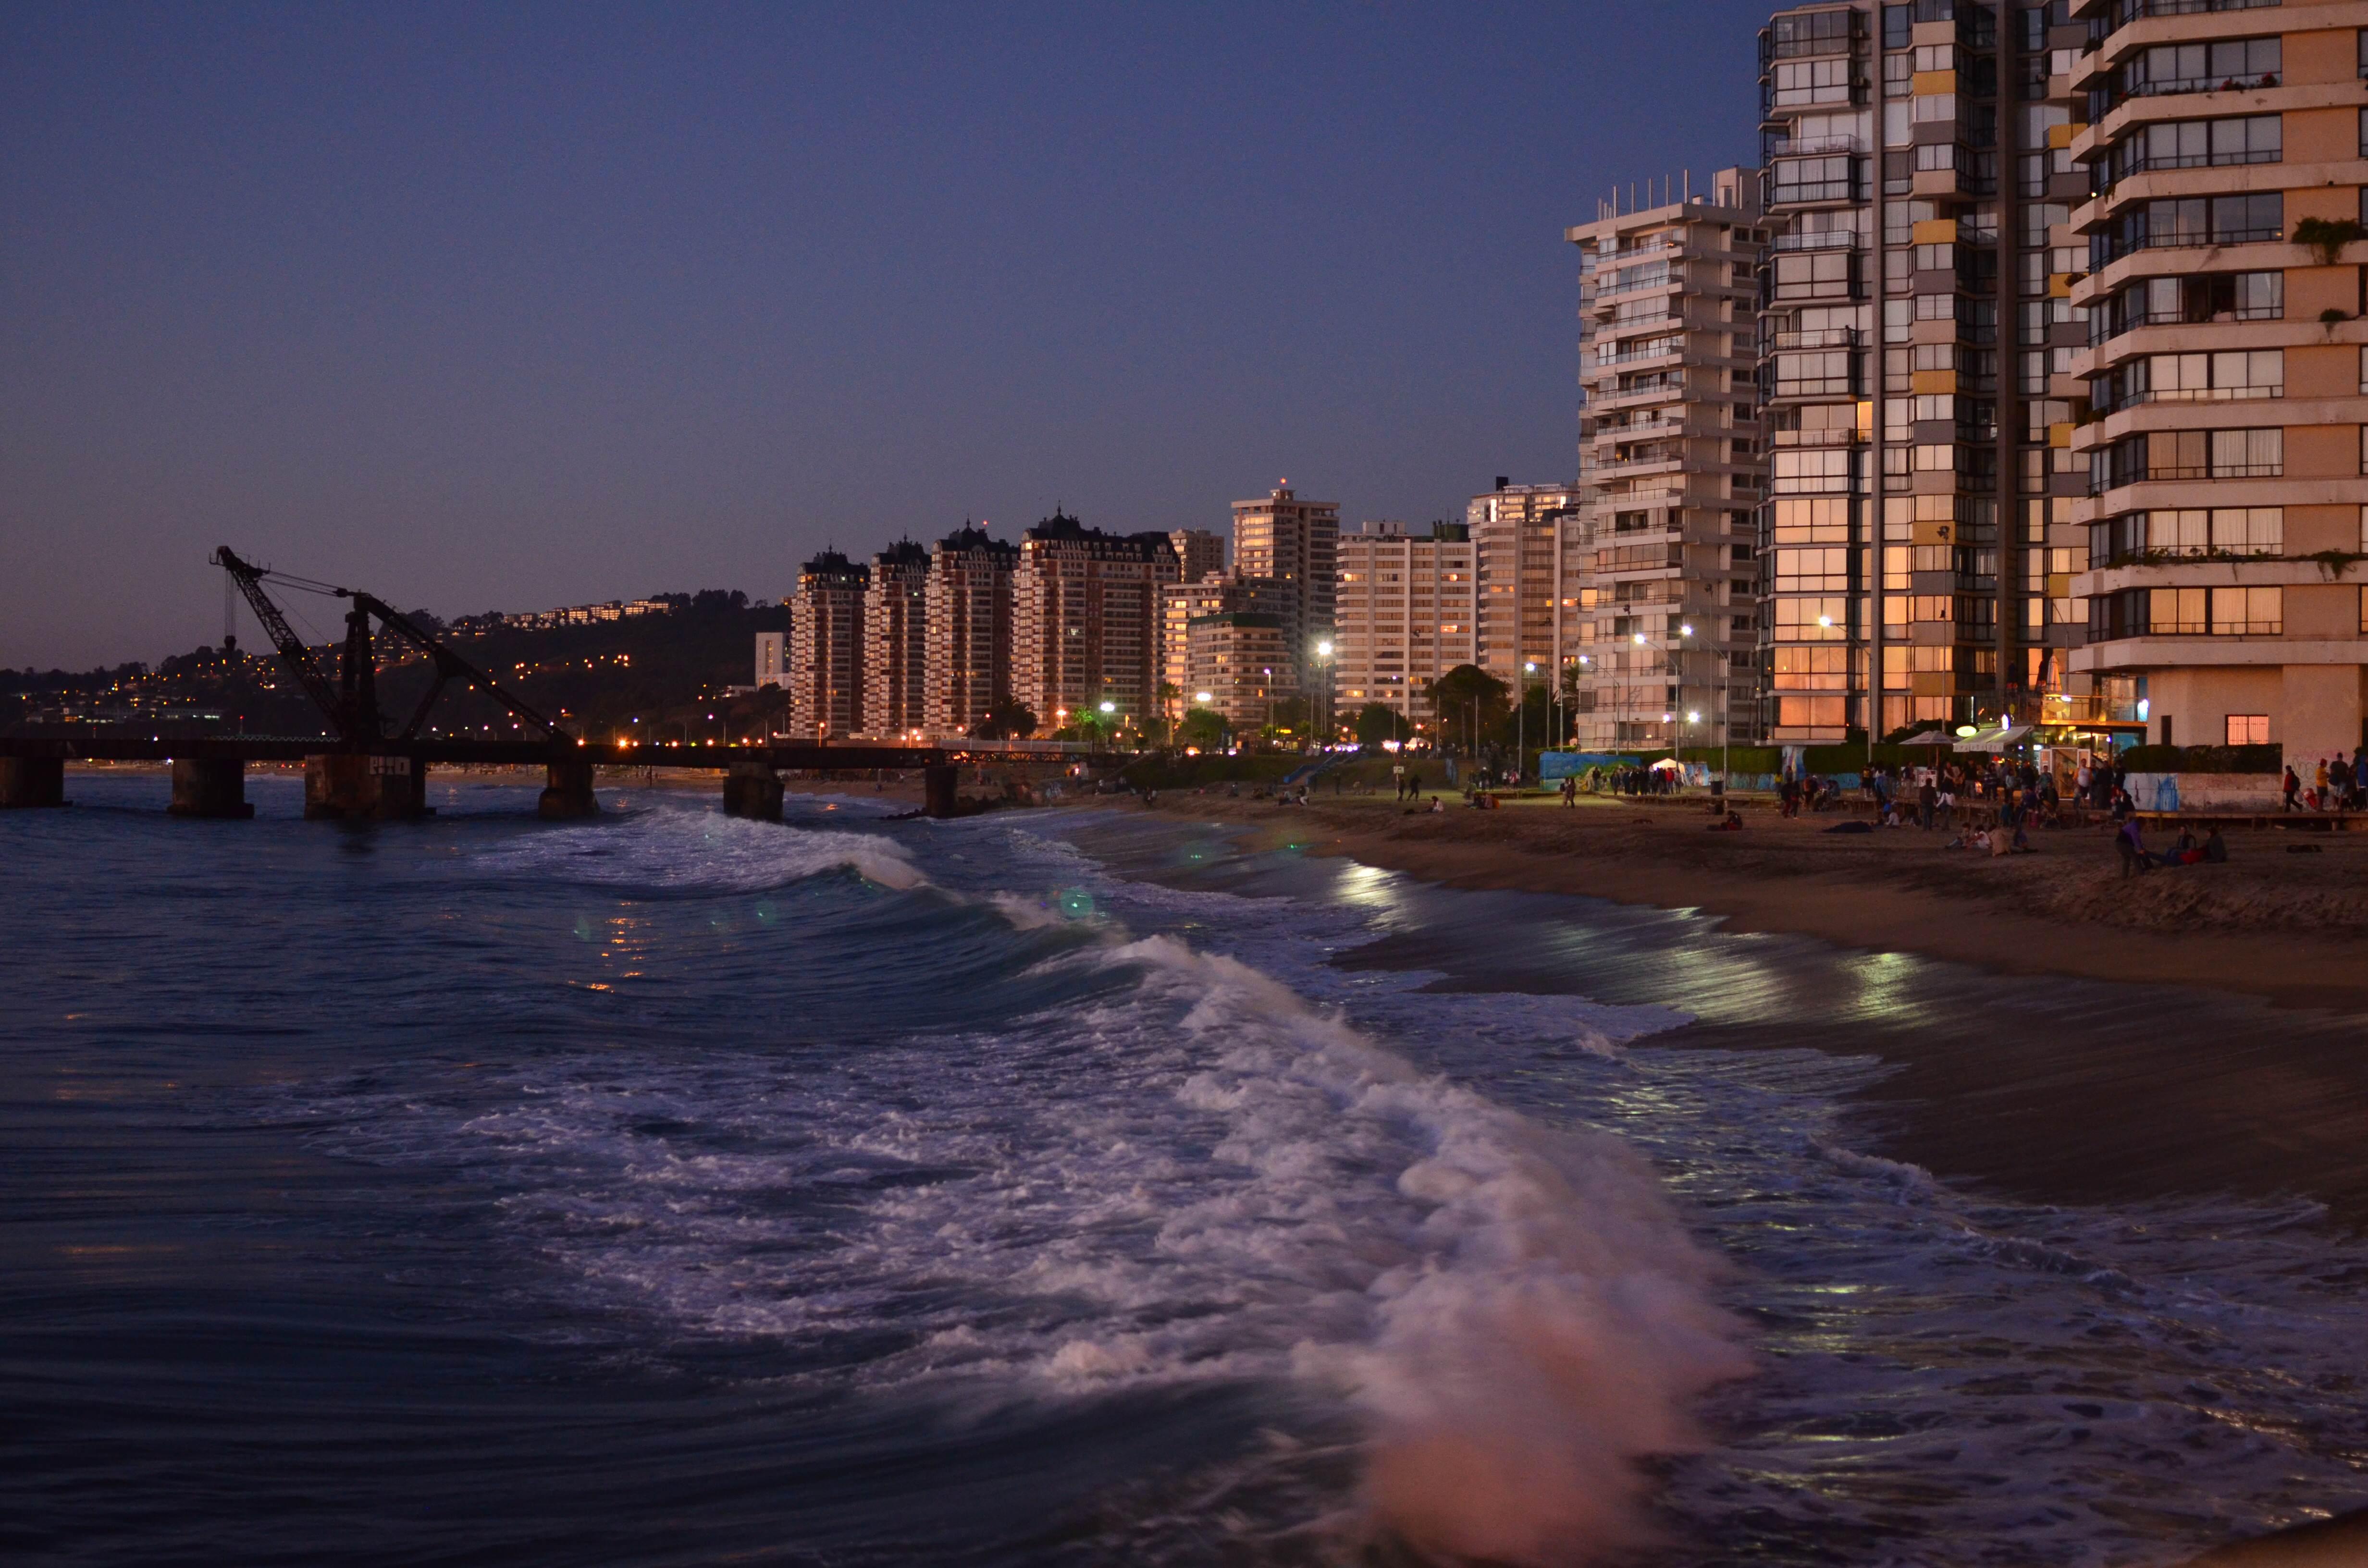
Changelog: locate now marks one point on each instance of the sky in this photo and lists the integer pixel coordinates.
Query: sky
(509, 306)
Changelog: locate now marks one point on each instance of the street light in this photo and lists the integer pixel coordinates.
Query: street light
(1521, 722)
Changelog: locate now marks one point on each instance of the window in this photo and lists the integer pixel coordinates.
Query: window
(1811, 32)
(1831, 273)
(2192, 145)
(2246, 612)
(1832, 178)
(1827, 374)
(2248, 729)
(1799, 83)
(1813, 571)
(1824, 520)
(2158, 302)
(2225, 65)
(2189, 221)
(2226, 377)
(2221, 530)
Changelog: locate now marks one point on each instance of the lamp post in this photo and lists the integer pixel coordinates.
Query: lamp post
(1323, 692)
(1521, 722)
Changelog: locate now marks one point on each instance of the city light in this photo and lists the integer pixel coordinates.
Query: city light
(1640, 639)
(1693, 718)
(1685, 631)
(1324, 650)
(1110, 707)
(1203, 697)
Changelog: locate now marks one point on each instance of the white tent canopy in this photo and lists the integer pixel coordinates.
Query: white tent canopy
(1997, 740)
(1930, 738)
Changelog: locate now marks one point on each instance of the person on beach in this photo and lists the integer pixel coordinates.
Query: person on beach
(2131, 844)
(2292, 787)
(1928, 803)
(1570, 789)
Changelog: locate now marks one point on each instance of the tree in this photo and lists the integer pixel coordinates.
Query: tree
(1471, 704)
(1009, 720)
(1168, 693)
(1289, 716)
(1376, 722)
(1202, 727)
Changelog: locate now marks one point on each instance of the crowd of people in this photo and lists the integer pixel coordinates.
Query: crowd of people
(2335, 786)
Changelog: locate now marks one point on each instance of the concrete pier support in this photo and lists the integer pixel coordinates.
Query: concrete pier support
(209, 787)
(753, 789)
(33, 781)
(939, 786)
(351, 786)
(567, 793)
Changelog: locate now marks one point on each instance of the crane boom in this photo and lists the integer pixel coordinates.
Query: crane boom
(351, 706)
(293, 651)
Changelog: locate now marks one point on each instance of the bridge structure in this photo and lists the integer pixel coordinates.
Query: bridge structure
(390, 783)
(368, 767)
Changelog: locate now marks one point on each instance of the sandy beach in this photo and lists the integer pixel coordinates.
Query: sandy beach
(2090, 1112)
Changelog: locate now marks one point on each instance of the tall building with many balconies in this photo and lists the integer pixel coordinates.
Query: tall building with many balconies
(968, 664)
(1085, 620)
(1294, 543)
(1918, 340)
(1656, 613)
(1404, 614)
(2226, 367)
(896, 641)
(825, 656)
(1519, 533)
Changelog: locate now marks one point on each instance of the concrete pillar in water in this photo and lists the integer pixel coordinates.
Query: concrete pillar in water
(567, 793)
(33, 781)
(209, 787)
(753, 789)
(354, 787)
(938, 784)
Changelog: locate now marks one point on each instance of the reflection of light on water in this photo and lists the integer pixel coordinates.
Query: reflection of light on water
(1886, 984)
(1076, 903)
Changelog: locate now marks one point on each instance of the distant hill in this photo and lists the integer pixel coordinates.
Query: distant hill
(666, 671)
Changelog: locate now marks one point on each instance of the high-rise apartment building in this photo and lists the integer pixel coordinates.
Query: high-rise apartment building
(1182, 603)
(1085, 620)
(826, 649)
(1293, 541)
(1237, 663)
(772, 658)
(2223, 366)
(1517, 535)
(895, 642)
(1658, 593)
(968, 661)
(1200, 552)
(1918, 337)
(1406, 612)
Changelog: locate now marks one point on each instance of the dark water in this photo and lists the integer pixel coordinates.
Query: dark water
(676, 1189)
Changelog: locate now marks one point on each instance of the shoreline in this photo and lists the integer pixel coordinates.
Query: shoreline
(2292, 929)
(2097, 1104)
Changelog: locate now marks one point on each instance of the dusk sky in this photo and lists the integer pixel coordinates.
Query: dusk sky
(502, 307)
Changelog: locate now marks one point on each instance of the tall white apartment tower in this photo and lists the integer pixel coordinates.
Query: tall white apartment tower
(1659, 606)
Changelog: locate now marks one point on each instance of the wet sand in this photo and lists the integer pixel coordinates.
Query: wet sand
(2091, 1103)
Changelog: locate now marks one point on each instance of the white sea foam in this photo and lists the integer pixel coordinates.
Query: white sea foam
(1207, 1172)
(676, 850)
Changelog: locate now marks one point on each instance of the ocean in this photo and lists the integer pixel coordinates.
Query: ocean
(1071, 1186)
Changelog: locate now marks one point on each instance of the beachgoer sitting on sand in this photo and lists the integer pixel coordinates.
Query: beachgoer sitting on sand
(2215, 848)
(1731, 823)
(1435, 805)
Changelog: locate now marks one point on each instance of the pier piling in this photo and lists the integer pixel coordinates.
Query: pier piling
(753, 789)
(567, 793)
(209, 787)
(33, 781)
(938, 785)
(358, 787)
